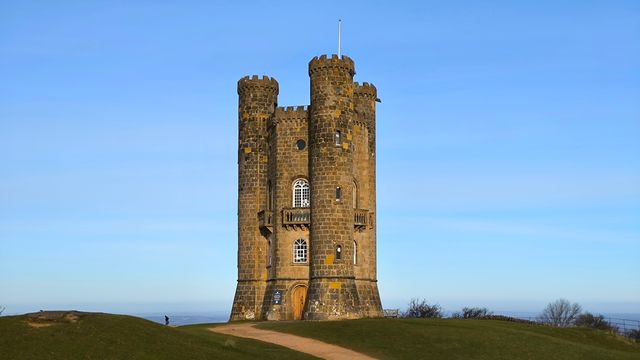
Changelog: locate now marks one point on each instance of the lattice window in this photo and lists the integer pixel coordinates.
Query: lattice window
(300, 251)
(301, 193)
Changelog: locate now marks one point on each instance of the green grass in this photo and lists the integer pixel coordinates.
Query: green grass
(104, 336)
(463, 339)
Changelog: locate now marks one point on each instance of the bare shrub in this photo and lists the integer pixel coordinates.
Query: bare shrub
(560, 313)
(422, 309)
(472, 313)
(593, 321)
(634, 335)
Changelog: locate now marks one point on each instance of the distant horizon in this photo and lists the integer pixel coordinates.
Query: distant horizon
(201, 309)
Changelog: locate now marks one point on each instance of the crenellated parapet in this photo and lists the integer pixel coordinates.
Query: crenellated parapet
(365, 96)
(366, 90)
(290, 114)
(255, 84)
(323, 63)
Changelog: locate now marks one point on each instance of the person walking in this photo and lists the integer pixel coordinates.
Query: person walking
(166, 320)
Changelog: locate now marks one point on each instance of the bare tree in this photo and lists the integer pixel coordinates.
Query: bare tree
(560, 313)
(422, 309)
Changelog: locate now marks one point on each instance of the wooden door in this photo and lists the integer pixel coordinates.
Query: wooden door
(298, 298)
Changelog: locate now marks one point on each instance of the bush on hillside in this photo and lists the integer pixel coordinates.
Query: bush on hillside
(593, 321)
(422, 309)
(472, 313)
(560, 313)
(634, 335)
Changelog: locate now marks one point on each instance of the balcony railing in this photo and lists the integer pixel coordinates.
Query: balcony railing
(300, 218)
(360, 217)
(296, 217)
(265, 218)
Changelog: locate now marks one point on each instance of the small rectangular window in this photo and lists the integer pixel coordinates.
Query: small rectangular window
(338, 193)
(338, 138)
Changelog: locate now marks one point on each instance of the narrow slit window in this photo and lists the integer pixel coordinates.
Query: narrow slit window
(355, 253)
(338, 193)
(355, 195)
(338, 252)
(338, 138)
(269, 196)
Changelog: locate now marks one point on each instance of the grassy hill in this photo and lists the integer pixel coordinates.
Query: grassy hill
(446, 339)
(75, 335)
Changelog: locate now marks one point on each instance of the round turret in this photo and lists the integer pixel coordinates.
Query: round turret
(257, 102)
(332, 290)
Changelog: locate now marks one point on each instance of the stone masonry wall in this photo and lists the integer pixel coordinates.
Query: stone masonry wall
(288, 164)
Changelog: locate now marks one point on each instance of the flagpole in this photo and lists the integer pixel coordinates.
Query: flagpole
(339, 31)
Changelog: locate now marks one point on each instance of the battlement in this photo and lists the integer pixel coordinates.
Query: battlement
(292, 113)
(366, 90)
(254, 83)
(334, 62)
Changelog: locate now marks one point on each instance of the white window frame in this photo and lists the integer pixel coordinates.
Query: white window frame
(300, 251)
(301, 193)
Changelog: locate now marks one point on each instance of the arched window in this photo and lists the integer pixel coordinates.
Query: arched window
(338, 138)
(355, 195)
(300, 193)
(300, 251)
(355, 253)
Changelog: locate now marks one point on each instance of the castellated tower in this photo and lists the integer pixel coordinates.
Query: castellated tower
(307, 199)
(257, 102)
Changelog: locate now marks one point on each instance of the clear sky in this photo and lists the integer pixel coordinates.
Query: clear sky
(508, 147)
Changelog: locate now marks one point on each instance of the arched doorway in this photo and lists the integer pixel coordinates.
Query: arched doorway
(298, 297)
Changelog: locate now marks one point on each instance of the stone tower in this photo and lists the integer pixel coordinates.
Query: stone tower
(306, 199)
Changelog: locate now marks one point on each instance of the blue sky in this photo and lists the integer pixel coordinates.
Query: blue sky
(508, 143)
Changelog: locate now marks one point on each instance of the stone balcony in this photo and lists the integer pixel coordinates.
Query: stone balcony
(265, 218)
(300, 219)
(296, 218)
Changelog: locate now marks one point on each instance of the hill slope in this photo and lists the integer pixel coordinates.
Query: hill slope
(76, 335)
(463, 339)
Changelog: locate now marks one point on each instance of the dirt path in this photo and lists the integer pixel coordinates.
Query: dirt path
(298, 343)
